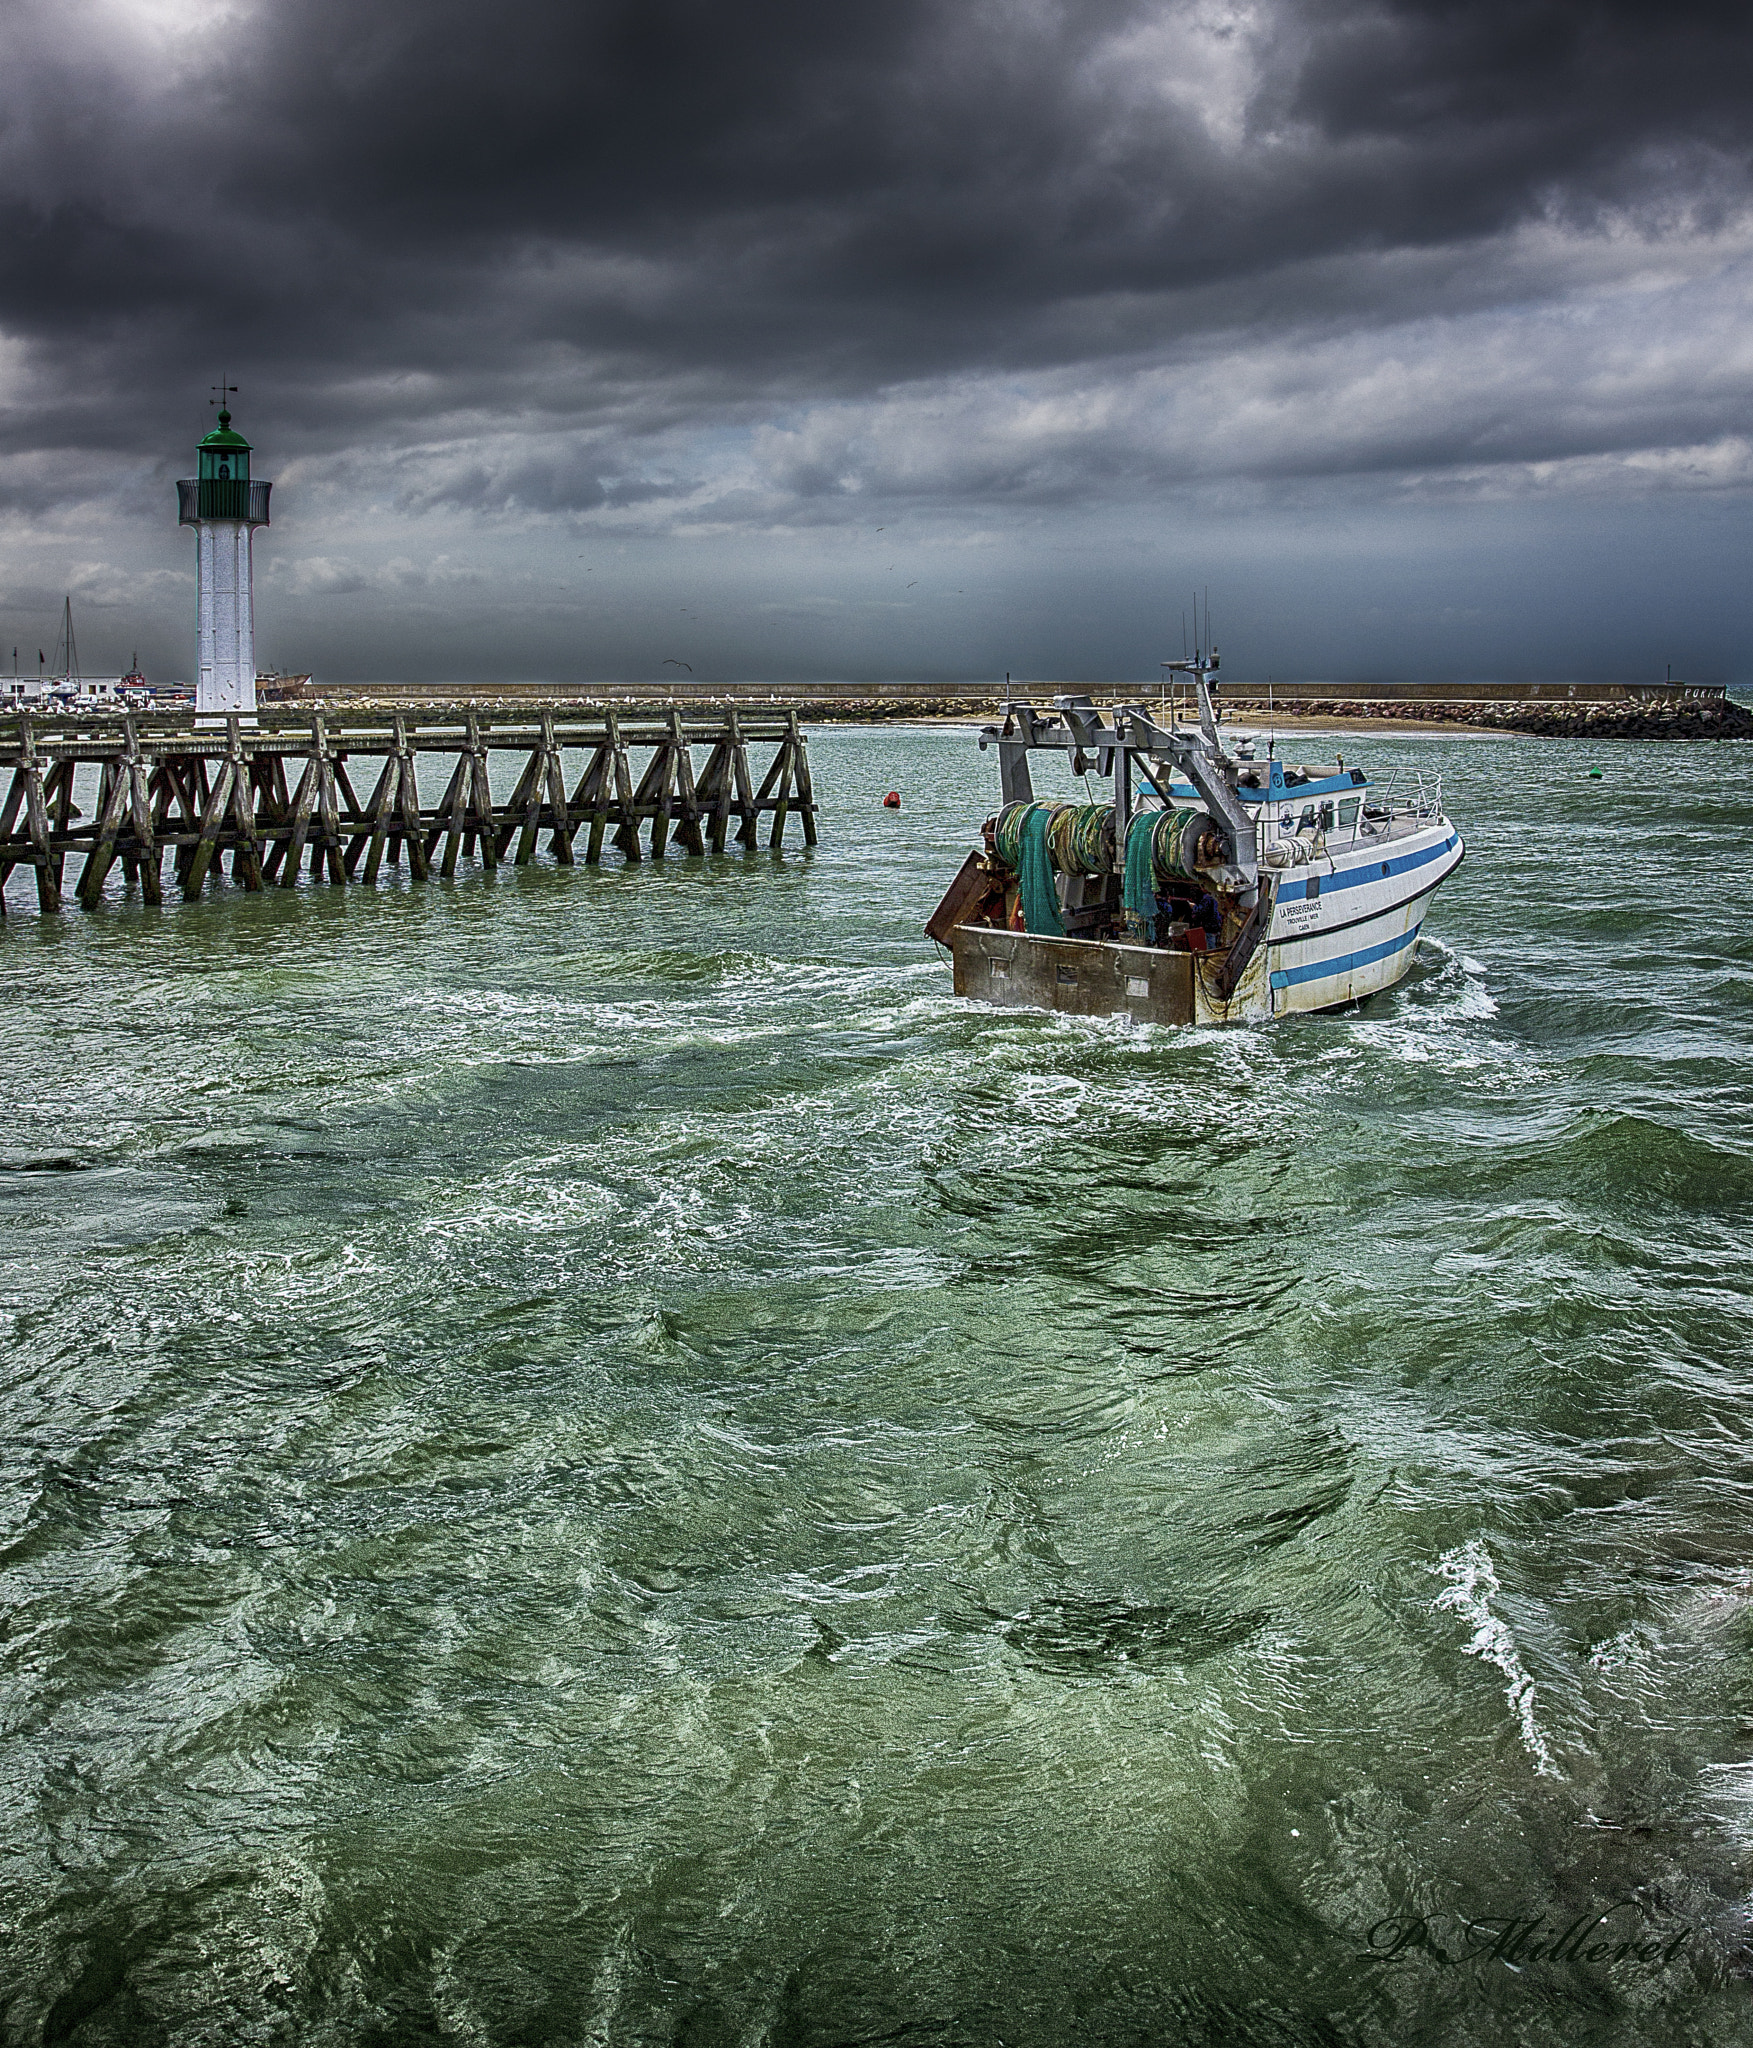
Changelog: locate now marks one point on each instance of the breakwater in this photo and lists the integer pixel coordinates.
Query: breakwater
(1607, 718)
(269, 795)
(1688, 719)
(1586, 710)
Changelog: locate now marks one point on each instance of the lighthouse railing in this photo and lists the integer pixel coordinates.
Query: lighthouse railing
(222, 498)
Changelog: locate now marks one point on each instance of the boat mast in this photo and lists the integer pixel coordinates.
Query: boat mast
(1202, 668)
(66, 646)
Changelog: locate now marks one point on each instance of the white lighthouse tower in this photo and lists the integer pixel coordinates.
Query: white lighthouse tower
(224, 507)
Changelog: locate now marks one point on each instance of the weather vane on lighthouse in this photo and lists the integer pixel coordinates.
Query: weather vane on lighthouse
(224, 506)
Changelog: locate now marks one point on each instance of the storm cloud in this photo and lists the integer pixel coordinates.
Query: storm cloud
(695, 302)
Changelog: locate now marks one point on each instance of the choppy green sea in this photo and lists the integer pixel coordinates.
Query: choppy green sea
(591, 1458)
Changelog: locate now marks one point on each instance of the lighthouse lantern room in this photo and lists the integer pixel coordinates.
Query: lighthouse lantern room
(224, 505)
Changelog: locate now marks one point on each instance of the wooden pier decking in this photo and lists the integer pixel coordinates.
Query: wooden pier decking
(281, 792)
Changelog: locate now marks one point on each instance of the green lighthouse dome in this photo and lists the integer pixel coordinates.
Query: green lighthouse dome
(223, 454)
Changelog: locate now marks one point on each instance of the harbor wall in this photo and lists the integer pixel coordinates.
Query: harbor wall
(1583, 710)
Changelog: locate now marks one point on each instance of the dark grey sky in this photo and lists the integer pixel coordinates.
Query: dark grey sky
(888, 339)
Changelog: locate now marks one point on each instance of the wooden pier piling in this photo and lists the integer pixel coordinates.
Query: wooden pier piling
(226, 791)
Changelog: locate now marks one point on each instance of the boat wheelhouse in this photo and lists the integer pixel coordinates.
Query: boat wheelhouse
(1219, 885)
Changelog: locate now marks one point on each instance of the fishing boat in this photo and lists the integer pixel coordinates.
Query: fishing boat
(1218, 885)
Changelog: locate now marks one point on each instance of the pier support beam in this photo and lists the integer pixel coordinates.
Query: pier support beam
(271, 799)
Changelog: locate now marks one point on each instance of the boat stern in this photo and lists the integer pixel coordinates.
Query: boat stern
(1080, 977)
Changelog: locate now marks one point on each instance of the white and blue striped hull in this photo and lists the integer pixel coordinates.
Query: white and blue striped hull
(1357, 932)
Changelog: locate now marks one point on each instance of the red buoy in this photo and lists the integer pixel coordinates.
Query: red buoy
(892, 802)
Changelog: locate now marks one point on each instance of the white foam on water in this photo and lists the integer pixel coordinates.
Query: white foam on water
(900, 1269)
(1473, 1584)
(1628, 1652)
(1434, 1022)
(829, 977)
(1476, 1000)
(1458, 977)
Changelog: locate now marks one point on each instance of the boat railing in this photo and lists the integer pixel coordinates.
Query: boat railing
(1382, 811)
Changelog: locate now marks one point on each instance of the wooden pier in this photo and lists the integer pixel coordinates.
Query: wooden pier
(280, 792)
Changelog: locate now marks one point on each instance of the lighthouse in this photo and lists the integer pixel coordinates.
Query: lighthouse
(225, 506)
